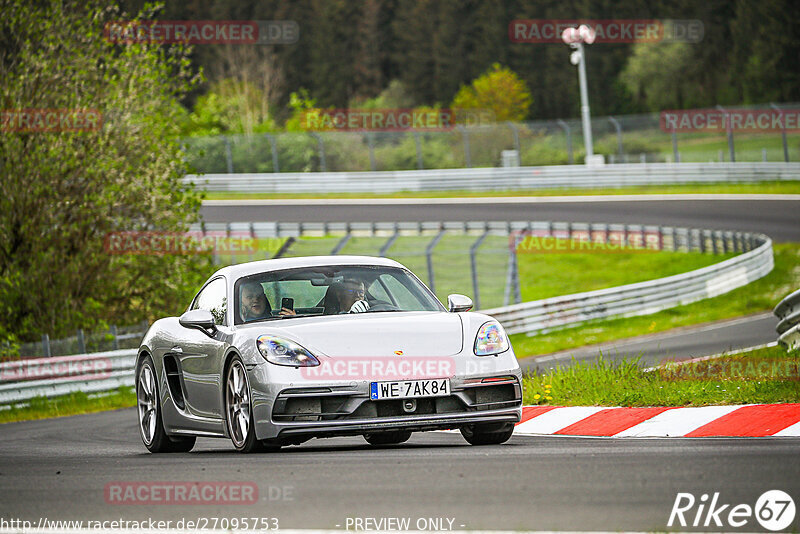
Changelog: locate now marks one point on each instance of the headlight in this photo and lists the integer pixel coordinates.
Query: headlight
(490, 340)
(284, 352)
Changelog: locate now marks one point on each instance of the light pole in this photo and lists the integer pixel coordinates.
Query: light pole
(575, 38)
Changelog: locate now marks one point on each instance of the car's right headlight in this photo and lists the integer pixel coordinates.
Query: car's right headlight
(491, 339)
(284, 352)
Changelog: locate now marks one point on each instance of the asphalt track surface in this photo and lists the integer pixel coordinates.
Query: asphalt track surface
(59, 468)
(779, 219)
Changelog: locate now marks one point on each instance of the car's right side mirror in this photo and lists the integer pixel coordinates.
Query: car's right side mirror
(459, 303)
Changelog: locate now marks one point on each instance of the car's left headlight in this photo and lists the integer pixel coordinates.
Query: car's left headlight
(284, 352)
(491, 339)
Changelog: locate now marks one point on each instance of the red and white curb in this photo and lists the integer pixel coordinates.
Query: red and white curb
(750, 420)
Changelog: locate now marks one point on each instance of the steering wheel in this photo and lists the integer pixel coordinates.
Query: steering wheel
(382, 305)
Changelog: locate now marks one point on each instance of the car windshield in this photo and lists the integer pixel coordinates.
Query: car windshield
(329, 290)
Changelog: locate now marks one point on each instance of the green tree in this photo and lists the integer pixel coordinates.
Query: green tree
(499, 90)
(62, 192)
(656, 75)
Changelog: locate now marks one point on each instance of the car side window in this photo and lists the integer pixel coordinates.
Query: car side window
(213, 298)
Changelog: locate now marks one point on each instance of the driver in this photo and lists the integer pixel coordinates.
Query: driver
(254, 303)
(351, 296)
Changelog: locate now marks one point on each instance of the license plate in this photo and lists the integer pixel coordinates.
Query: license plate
(406, 389)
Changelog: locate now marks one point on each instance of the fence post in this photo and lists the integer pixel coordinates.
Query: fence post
(515, 132)
(429, 258)
(115, 341)
(473, 251)
(675, 152)
(323, 164)
(783, 132)
(342, 242)
(512, 280)
(729, 128)
(418, 144)
(389, 242)
(274, 147)
(615, 122)
(228, 154)
(371, 145)
(467, 154)
(568, 134)
(81, 342)
(46, 345)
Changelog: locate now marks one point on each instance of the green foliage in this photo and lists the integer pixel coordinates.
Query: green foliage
(61, 192)
(499, 90)
(656, 74)
(230, 106)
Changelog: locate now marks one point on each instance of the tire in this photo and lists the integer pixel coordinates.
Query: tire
(148, 408)
(388, 438)
(488, 433)
(239, 412)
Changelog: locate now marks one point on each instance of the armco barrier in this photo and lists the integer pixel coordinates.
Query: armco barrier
(788, 311)
(498, 178)
(22, 380)
(638, 299)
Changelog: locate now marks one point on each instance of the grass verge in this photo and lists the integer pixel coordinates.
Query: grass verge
(762, 376)
(758, 296)
(771, 187)
(71, 404)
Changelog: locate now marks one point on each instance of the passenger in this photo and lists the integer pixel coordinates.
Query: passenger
(349, 296)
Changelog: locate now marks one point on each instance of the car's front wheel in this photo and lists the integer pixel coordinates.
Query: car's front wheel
(238, 410)
(393, 437)
(151, 427)
(487, 433)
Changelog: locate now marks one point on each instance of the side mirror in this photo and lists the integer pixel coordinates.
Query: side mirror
(199, 319)
(459, 303)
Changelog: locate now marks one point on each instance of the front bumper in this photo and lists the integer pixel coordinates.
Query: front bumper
(293, 412)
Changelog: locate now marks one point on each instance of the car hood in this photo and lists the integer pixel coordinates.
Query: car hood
(374, 334)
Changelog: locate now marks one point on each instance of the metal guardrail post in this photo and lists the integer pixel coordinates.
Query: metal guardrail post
(323, 164)
(429, 258)
(788, 313)
(568, 134)
(418, 145)
(467, 154)
(274, 148)
(729, 129)
(46, 345)
(371, 144)
(783, 131)
(617, 126)
(473, 264)
(228, 154)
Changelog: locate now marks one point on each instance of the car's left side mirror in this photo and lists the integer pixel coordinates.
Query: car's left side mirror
(459, 303)
(199, 319)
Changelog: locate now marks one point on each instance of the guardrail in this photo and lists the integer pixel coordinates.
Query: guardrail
(497, 178)
(23, 380)
(788, 311)
(641, 298)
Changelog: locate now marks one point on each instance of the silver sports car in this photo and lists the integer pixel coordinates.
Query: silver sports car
(276, 352)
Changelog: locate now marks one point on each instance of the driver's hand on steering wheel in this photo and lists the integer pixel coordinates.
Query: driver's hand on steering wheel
(359, 306)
